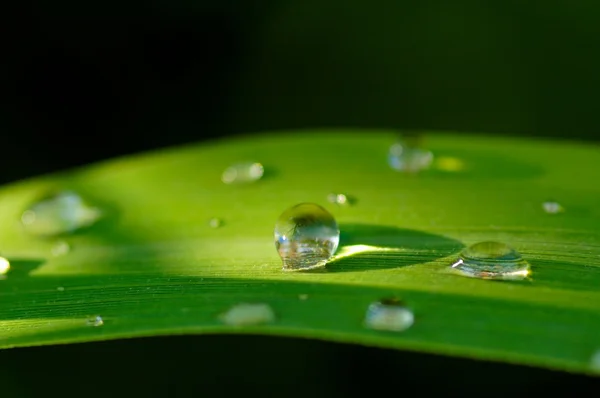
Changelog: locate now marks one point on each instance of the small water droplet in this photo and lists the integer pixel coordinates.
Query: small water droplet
(4, 267)
(338, 198)
(552, 207)
(61, 213)
(60, 248)
(215, 222)
(492, 260)
(60, 289)
(390, 315)
(306, 236)
(246, 314)
(408, 158)
(595, 362)
(303, 297)
(242, 173)
(95, 321)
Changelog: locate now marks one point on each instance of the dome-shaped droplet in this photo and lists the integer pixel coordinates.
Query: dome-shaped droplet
(61, 213)
(242, 173)
(390, 315)
(552, 207)
(491, 260)
(411, 159)
(248, 314)
(306, 236)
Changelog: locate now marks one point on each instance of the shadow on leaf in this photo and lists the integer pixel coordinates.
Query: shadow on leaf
(371, 247)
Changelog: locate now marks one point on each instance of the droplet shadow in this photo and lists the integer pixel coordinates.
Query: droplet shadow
(21, 268)
(371, 247)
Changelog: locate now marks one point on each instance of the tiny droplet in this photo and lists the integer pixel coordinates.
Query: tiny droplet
(95, 321)
(241, 173)
(247, 314)
(306, 236)
(4, 267)
(390, 315)
(338, 198)
(303, 297)
(551, 207)
(215, 222)
(61, 213)
(60, 248)
(407, 158)
(491, 260)
(60, 289)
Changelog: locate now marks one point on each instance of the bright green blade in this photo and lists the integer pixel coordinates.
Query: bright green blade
(154, 265)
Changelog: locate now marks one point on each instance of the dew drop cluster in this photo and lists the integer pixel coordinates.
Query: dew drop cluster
(306, 237)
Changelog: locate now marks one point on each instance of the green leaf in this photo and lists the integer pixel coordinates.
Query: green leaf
(154, 266)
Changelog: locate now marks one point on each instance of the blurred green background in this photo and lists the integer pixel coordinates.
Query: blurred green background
(84, 82)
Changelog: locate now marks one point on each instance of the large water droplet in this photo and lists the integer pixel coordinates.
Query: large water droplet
(306, 236)
(95, 321)
(246, 314)
(61, 213)
(4, 267)
(242, 173)
(492, 260)
(390, 315)
(552, 207)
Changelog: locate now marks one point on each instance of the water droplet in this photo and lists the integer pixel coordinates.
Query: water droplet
(60, 248)
(61, 213)
(492, 260)
(60, 289)
(215, 222)
(390, 315)
(552, 207)
(4, 267)
(303, 297)
(246, 314)
(242, 173)
(95, 321)
(595, 362)
(338, 198)
(407, 158)
(306, 236)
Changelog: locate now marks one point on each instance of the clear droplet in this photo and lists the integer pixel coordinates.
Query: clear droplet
(338, 198)
(215, 222)
(247, 314)
(595, 362)
(552, 207)
(306, 236)
(240, 173)
(95, 321)
(492, 260)
(407, 158)
(4, 267)
(61, 213)
(390, 315)
(60, 248)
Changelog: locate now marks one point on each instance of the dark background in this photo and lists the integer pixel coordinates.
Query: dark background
(81, 82)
